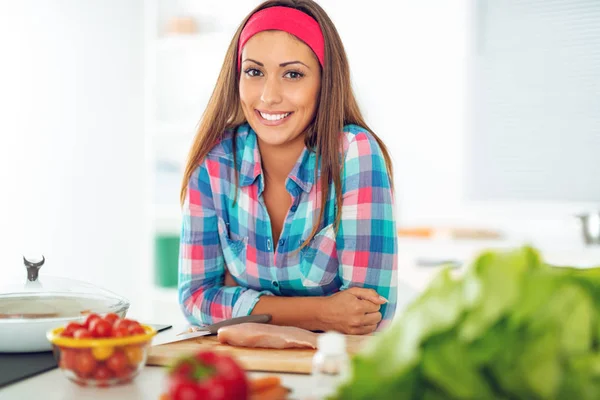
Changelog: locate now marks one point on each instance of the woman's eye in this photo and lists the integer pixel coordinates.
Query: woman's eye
(253, 72)
(294, 75)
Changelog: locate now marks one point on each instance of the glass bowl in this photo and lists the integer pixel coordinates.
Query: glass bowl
(101, 362)
(31, 304)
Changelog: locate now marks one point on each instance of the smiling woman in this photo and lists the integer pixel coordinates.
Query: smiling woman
(287, 194)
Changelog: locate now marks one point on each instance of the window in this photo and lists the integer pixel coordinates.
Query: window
(535, 101)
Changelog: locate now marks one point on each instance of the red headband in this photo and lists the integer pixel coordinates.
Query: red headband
(286, 19)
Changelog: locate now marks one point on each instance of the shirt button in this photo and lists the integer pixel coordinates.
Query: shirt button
(294, 208)
(281, 242)
(275, 284)
(268, 244)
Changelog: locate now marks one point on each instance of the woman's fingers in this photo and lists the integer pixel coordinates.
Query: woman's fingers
(363, 330)
(367, 306)
(368, 294)
(372, 318)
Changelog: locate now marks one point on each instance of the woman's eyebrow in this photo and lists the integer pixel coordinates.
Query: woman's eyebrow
(254, 61)
(285, 64)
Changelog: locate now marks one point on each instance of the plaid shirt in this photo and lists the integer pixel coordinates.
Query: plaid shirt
(218, 234)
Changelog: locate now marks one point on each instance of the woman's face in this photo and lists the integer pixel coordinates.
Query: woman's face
(280, 82)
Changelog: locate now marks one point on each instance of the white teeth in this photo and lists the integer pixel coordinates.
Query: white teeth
(273, 117)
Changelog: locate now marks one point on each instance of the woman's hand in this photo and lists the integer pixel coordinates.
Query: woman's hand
(354, 311)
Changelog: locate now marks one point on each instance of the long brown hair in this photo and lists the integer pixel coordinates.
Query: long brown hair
(225, 112)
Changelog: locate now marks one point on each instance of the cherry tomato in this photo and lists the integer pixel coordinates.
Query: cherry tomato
(126, 373)
(121, 323)
(133, 322)
(136, 330)
(111, 318)
(70, 329)
(67, 358)
(100, 328)
(120, 331)
(82, 333)
(84, 363)
(89, 319)
(102, 353)
(135, 355)
(117, 362)
(102, 372)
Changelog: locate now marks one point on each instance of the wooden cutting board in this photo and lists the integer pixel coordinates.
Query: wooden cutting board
(272, 360)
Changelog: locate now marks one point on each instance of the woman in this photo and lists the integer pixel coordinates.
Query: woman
(287, 198)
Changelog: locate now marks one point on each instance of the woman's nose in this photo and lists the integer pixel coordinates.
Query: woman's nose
(271, 93)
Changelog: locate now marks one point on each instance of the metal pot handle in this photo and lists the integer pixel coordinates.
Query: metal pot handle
(33, 268)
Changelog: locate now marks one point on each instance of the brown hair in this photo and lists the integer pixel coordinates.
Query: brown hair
(225, 112)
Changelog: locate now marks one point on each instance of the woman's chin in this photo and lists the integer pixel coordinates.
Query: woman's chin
(273, 137)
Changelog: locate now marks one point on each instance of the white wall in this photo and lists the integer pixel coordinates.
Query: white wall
(411, 70)
(72, 159)
(72, 150)
(409, 73)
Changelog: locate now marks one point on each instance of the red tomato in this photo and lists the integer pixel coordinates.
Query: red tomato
(117, 362)
(70, 329)
(67, 358)
(120, 331)
(82, 333)
(103, 373)
(100, 328)
(207, 375)
(136, 330)
(121, 323)
(111, 318)
(126, 373)
(89, 320)
(84, 363)
(131, 322)
(183, 389)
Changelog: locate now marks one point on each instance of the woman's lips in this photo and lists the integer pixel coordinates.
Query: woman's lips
(269, 122)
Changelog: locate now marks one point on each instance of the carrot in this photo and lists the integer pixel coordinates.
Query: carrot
(164, 396)
(271, 393)
(259, 384)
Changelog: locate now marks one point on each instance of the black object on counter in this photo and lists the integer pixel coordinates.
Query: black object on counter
(17, 366)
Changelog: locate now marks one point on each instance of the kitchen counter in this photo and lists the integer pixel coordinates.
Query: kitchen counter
(416, 267)
(53, 385)
(148, 385)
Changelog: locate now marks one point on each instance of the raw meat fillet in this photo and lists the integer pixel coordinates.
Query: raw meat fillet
(267, 336)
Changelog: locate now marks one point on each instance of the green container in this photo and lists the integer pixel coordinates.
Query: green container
(166, 259)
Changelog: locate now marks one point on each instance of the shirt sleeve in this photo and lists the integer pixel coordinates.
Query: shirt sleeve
(203, 297)
(366, 240)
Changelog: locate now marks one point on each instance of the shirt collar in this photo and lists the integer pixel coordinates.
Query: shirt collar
(251, 164)
(303, 172)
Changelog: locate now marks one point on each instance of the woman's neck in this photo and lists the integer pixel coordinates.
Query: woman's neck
(278, 161)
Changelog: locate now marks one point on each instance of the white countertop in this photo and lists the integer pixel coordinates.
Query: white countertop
(149, 385)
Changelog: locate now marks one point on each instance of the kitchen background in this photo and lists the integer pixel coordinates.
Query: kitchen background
(489, 108)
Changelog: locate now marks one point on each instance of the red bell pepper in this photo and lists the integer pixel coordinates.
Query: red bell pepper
(207, 375)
